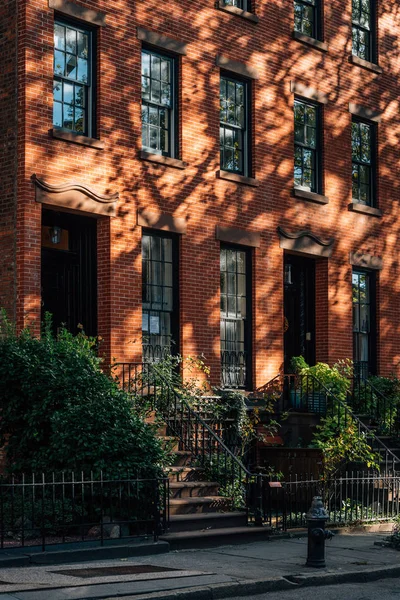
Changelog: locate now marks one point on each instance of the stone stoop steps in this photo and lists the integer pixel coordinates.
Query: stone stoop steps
(199, 516)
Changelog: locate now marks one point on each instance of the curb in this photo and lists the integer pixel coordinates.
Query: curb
(82, 554)
(253, 587)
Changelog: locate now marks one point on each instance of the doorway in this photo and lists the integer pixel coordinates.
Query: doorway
(299, 309)
(69, 271)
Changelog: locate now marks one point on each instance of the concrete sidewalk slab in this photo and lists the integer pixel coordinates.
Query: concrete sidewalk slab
(237, 570)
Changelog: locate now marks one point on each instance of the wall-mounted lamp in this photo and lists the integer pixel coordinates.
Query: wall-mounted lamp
(288, 274)
(55, 234)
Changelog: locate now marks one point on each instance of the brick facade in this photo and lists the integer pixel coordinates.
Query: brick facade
(195, 193)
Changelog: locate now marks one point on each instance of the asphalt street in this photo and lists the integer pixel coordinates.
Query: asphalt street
(385, 589)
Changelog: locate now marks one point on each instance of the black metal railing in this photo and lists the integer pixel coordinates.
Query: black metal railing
(41, 510)
(155, 352)
(369, 402)
(147, 383)
(233, 369)
(202, 437)
(361, 369)
(353, 497)
(305, 393)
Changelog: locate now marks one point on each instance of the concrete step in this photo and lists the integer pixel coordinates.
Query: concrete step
(212, 537)
(199, 504)
(193, 489)
(205, 521)
(181, 458)
(178, 473)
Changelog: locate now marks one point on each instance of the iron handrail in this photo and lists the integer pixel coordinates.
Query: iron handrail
(197, 437)
(313, 384)
(384, 410)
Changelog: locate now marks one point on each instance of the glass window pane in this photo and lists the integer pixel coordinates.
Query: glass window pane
(79, 120)
(71, 66)
(165, 71)
(79, 95)
(71, 40)
(155, 67)
(59, 37)
(145, 64)
(83, 45)
(59, 58)
(57, 114)
(57, 91)
(68, 116)
(82, 70)
(167, 249)
(145, 88)
(155, 91)
(69, 93)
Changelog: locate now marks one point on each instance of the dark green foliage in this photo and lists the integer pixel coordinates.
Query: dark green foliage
(59, 411)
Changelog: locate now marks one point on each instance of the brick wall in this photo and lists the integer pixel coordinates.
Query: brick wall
(8, 153)
(195, 193)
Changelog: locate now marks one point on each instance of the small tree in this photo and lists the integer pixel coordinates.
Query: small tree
(59, 411)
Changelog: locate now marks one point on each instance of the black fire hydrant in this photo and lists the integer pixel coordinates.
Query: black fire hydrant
(317, 534)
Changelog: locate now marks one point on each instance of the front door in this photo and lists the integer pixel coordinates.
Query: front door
(69, 271)
(299, 309)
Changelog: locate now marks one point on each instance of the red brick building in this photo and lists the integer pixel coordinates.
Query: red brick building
(220, 176)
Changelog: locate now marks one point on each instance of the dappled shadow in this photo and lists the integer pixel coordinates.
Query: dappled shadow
(196, 194)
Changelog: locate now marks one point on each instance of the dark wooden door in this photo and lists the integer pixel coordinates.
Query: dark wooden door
(299, 309)
(69, 276)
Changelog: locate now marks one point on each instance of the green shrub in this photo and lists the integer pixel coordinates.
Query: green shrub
(59, 411)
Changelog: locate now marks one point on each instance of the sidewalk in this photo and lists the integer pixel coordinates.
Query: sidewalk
(240, 570)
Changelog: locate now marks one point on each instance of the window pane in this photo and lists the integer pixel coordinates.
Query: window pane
(71, 40)
(69, 93)
(59, 37)
(155, 67)
(59, 66)
(57, 114)
(83, 45)
(71, 66)
(145, 64)
(57, 91)
(82, 70)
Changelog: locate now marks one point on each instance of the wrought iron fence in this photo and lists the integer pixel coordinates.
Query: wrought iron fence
(354, 497)
(41, 510)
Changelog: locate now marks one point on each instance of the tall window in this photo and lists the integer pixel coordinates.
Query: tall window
(363, 314)
(72, 87)
(235, 317)
(306, 17)
(234, 126)
(362, 19)
(306, 146)
(158, 103)
(362, 159)
(159, 296)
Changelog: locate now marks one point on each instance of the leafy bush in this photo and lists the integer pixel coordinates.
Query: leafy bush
(59, 411)
(337, 436)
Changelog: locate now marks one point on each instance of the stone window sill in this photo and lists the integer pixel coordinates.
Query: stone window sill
(310, 196)
(366, 64)
(234, 10)
(364, 209)
(167, 161)
(76, 138)
(305, 39)
(236, 178)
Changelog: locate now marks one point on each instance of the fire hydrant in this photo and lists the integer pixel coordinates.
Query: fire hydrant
(317, 534)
